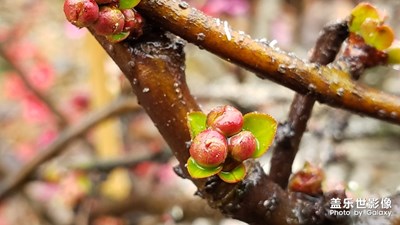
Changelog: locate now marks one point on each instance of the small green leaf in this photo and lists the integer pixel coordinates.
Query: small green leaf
(128, 4)
(115, 38)
(394, 55)
(263, 127)
(360, 13)
(233, 176)
(197, 171)
(196, 122)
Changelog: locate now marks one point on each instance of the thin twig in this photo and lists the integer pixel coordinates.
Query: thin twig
(288, 139)
(328, 85)
(15, 181)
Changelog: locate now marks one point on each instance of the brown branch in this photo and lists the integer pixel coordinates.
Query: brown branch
(328, 85)
(61, 121)
(288, 139)
(15, 181)
(155, 67)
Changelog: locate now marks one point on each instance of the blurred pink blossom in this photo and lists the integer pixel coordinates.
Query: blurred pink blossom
(14, 87)
(73, 32)
(229, 7)
(35, 111)
(41, 75)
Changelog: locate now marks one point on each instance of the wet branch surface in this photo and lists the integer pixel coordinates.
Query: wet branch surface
(154, 65)
(14, 182)
(288, 139)
(328, 85)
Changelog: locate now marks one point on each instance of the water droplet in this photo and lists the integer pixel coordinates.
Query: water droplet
(134, 81)
(340, 92)
(311, 87)
(131, 63)
(110, 48)
(393, 115)
(273, 43)
(145, 90)
(281, 68)
(201, 36)
(176, 84)
(382, 113)
(183, 5)
(227, 31)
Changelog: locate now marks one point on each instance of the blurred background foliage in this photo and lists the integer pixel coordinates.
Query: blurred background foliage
(53, 74)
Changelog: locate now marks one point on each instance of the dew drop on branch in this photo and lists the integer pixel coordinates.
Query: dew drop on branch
(183, 5)
(201, 36)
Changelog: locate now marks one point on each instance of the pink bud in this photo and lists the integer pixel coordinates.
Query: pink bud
(225, 119)
(242, 145)
(110, 21)
(130, 19)
(81, 13)
(209, 148)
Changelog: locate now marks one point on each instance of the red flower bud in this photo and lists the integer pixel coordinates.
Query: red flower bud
(225, 119)
(308, 180)
(242, 145)
(110, 21)
(81, 13)
(209, 148)
(130, 20)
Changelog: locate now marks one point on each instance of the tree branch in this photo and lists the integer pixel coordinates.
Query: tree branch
(288, 140)
(328, 85)
(155, 67)
(15, 181)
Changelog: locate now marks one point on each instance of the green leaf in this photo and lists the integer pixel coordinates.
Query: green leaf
(128, 4)
(196, 122)
(115, 38)
(263, 127)
(360, 13)
(233, 176)
(394, 55)
(197, 171)
(380, 37)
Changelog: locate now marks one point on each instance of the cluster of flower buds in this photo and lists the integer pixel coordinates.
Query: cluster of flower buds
(225, 136)
(114, 19)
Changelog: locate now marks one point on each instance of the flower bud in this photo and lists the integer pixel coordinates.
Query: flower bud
(242, 145)
(308, 180)
(81, 13)
(130, 20)
(209, 148)
(225, 119)
(110, 21)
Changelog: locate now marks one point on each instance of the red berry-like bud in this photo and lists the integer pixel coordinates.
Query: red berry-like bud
(130, 19)
(225, 119)
(242, 145)
(209, 148)
(81, 13)
(308, 180)
(110, 21)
